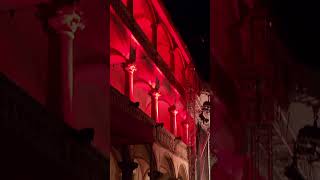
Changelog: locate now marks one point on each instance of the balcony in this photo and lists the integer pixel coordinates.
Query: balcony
(167, 140)
(130, 125)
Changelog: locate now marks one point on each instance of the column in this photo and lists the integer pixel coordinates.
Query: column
(154, 175)
(129, 71)
(155, 94)
(127, 168)
(173, 120)
(62, 27)
(186, 131)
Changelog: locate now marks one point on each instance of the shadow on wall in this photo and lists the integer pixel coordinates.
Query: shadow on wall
(91, 107)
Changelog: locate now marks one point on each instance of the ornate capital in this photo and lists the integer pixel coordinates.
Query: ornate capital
(155, 93)
(67, 20)
(61, 17)
(131, 68)
(172, 109)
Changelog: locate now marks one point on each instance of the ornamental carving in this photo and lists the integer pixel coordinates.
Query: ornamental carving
(67, 20)
(167, 140)
(61, 18)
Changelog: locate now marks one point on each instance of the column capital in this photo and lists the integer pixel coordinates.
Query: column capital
(66, 21)
(130, 67)
(155, 93)
(63, 18)
(172, 109)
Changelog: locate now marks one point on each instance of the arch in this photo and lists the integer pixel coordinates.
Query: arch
(164, 43)
(119, 35)
(144, 9)
(182, 173)
(145, 16)
(141, 81)
(115, 171)
(142, 155)
(167, 167)
(180, 65)
(167, 34)
(116, 57)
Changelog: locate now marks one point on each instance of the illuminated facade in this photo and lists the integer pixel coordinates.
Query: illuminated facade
(156, 99)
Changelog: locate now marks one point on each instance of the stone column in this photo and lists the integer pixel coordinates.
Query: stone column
(186, 125)
(129, 71)
(154, 175)
(64, 24)
(155, 94)
(173, 119)
(127, 168)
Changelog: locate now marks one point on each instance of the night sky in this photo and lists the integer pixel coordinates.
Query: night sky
(298, 25)
(192, 19)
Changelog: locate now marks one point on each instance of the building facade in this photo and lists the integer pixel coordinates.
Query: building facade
(53, 89)
(160, 110)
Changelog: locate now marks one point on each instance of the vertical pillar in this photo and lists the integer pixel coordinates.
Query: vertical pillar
(186, 125)
(173, 119)
(155, 94)
(127, 168)
(61, 27)
(129, 71)
(154, 175)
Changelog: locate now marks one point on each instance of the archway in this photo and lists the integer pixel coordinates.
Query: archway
(167, 168)
(115, 172)
(182, 173)
(141, 156)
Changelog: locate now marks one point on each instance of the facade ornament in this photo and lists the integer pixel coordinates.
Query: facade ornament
(173, 119)
(155, 94)
(66, 21)
(61, 20)
(129, 68)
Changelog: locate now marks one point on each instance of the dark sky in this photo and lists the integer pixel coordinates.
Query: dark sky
(297, 22)
(192, 20)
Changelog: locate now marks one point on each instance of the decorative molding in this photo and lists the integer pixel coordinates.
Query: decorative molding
(66, 21)
(60, 17)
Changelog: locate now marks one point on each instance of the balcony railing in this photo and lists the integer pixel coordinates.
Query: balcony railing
(123, 103)
(169, 141)
(161, 135)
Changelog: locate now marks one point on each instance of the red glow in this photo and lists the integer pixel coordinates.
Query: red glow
(134, 39)
(173, 120)
(141, 86)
